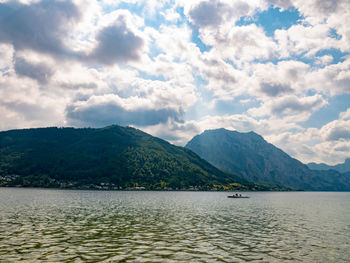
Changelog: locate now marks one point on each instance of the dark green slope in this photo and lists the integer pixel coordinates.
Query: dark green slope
(112, 157)
(249, 155)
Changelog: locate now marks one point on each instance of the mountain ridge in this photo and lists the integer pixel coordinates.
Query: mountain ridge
(113, 156)
(341, 167)
(249, 155)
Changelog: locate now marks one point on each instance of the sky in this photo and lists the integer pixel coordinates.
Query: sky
(174, 68)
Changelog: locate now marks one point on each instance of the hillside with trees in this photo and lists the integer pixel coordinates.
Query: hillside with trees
(113, 157)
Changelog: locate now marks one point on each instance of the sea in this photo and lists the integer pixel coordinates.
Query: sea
(46, 225)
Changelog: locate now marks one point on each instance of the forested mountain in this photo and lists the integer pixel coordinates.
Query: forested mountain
(249, 155)
(342, 167)
(111, 157)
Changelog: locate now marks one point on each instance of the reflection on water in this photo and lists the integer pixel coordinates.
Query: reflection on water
(92, 226)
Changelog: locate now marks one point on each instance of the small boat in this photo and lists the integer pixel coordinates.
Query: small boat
(237, 196)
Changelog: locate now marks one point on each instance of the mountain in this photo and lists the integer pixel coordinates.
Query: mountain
(342, 167)
(111, 157)
(249, 155)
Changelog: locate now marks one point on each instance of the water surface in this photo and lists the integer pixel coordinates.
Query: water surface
(115, 226)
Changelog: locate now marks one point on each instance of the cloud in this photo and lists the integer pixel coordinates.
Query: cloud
(328, 6)
(339, 132)
(330, 152)
(240, 43)
(132, 101)
(333, 79)
(290, 107)
(320, 7)
(294, 105)
(345, 115)
(218, 13)
(282, 78)
(29, 111)
(345, 149)
(320, 17)
(329, 144)
(274, 90)
(47, 27)
(284, 4)
(302, 40)
(6, 53)
(117, 43)
(24, 104)
(171, 15)
(208, 14)
(41, 26)
(224, 80)
(181, 133)
(178, 133)
(104, 110)
(142, 63)
(41, 72)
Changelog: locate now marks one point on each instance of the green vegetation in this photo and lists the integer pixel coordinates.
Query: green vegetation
(113, 157)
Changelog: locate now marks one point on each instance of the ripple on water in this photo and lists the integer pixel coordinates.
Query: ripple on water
(91, 226)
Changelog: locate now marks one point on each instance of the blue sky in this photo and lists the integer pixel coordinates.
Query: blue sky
(175, 68)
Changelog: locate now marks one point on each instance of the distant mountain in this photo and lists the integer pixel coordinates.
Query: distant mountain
(249, 155)
(342, 167)
(111, 157)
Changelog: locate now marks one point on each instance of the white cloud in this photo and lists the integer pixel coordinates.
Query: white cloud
(41, 72)
(103, 110)
(171, 15)
(345, 116)
(331, 14)
(280, 79)
(6, 53)
(337, 130)
(308, 39)
(214, 14)
(329, 144)
(333, 79)
(22, 104)
(148, 103)
(181, 133)
(117, 41)
(292, 108)
(283, 4)
(89, 63)
(42, 26)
